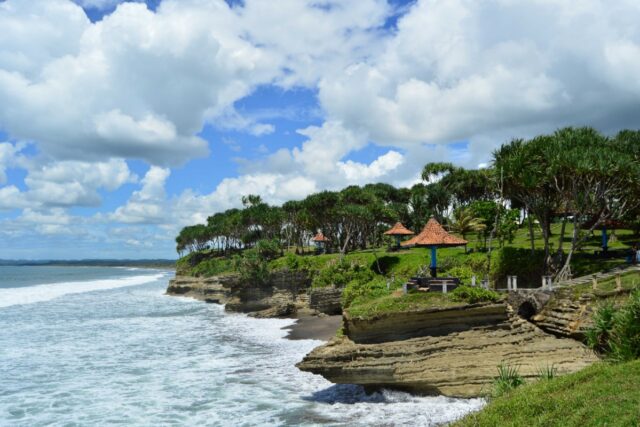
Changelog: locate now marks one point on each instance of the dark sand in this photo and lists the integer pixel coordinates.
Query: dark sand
(314, 327)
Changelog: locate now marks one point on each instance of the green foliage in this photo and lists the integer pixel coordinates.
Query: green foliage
(341, 272)
(368, 308)
(508, 379)
(293, 262)
(598, 335)
(212, 267)
(268, 249)
(360, 291)
(473, 295)
(252, 264)
(616, 332)
(510, 261)
(462, 272)
(602, 394)
(547, 372)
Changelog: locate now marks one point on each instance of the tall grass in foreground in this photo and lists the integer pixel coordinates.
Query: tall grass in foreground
(616, 331)
(508, 378)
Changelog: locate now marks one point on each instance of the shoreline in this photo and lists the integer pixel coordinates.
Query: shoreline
(310, 327)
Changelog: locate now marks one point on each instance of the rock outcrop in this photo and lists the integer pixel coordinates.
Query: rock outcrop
(284, 294)
(461, 364)
(428, 322)
(326, 300)
(568, 315)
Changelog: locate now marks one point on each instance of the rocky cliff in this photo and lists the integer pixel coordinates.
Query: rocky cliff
(284, 293)
(453, 351)
(428, 322)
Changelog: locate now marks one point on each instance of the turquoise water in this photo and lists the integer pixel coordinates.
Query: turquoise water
(104, 346)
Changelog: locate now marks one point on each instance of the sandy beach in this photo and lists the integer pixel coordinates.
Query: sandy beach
(314, 327)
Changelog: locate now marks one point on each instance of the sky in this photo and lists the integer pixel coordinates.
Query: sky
(121, 122)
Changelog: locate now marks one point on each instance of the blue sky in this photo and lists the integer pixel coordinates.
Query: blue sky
(122, 122)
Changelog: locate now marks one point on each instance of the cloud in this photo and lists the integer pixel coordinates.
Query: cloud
(137, 84)
(468, 70)
(66, 183)
(147, 205)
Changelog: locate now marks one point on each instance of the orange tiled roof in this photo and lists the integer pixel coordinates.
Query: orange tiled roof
(434, 235)
(399, 230)
(320, 238)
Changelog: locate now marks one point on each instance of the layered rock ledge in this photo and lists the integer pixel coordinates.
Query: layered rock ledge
(284, 294)
(461, 363)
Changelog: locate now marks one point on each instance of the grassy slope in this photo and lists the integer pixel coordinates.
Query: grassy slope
(600, 395)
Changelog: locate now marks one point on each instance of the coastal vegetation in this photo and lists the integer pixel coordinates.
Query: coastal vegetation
(564, 205)
(603, 394)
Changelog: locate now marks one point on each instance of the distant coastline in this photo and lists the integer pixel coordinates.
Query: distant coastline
(140, 263)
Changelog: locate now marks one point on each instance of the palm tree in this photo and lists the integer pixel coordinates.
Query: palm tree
(464, 222)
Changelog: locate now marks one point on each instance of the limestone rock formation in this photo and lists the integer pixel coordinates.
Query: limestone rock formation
(285, 292)
(435, 321)
(461, 364)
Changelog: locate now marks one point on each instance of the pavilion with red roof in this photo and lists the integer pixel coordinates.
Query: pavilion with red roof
(434, 236)
(398, 231)
(320, 240)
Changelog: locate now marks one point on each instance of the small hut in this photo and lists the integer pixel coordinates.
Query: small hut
(398, 231)
(434, 236)
(320, 241)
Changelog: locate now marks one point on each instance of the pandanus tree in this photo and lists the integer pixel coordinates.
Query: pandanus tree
(464, 221)
(527, 176)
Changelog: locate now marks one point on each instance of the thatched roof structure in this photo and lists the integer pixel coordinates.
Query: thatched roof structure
(433, 235)
(320, 238)
(399, 230)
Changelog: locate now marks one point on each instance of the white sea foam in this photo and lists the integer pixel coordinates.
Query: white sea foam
(139, 358)
(40, 293)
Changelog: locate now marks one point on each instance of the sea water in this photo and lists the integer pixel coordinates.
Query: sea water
(105, 346)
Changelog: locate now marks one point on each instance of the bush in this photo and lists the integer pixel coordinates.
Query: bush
(268, 249)
(508, 378)
(473, 295)
(339, 273)
(212, 267)
(519, 262)
(358, 291)
(252, 267)
(616, 332)
(462, 272)
(598, 335)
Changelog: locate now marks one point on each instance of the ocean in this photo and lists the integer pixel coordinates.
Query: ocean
(86, 346)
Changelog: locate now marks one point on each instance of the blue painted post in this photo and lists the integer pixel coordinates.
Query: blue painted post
(434, 262)
(605, 239)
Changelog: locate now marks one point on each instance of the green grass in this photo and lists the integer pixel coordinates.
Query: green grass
(629, 281)
(398, 303)
(601, 395)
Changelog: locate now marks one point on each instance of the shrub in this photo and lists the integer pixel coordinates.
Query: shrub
(519, 262)
(268, 249)
(616, 332)
(252, 267)
(508, 378)
(598, 335)
(462, 272)
(359, 291)
(340, 272)
(473, 295)
(547, 372)
(212, 267)
(296, 263)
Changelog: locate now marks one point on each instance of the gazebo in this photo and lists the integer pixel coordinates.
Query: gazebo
(398, 231)
(434, 236)
(320, 241)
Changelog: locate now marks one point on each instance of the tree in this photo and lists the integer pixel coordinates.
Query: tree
(464, 221)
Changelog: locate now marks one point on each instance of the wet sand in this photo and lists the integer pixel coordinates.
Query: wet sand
(314, 327)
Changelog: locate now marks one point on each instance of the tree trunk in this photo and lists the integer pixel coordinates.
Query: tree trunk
(565, 272)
